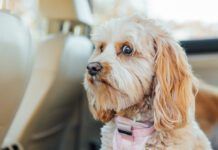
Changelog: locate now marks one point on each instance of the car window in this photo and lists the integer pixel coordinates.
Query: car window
(186, 19)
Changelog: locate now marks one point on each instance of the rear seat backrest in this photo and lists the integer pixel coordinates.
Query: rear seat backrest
(53, 93)
(55, 88)
(15, 51)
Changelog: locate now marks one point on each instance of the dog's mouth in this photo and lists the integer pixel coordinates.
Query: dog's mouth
(94, 80)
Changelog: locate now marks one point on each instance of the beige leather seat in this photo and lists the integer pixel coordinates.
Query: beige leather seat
(71, 10)
(55, 88)
(15, 50)
(52, 99)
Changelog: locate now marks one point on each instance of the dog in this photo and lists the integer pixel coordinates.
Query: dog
(139, 83)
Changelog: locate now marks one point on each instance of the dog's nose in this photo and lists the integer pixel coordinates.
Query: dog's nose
(93, 68)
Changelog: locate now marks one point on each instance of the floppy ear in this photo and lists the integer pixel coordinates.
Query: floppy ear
(173, 86)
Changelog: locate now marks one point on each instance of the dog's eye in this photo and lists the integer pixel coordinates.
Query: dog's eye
(127, 50)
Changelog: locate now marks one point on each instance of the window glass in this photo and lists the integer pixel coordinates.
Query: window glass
(187, 19)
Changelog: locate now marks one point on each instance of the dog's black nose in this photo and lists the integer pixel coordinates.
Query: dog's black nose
(93, 68)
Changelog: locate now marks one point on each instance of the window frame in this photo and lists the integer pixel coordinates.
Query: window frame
(201, 46)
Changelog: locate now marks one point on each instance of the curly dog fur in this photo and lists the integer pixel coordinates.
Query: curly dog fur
(154, 83)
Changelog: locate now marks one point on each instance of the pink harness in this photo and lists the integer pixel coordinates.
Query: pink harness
(130, 135)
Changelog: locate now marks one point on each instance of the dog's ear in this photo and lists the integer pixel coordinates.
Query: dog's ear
(173, 86)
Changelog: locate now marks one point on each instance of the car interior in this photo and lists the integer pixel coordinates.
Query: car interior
(43, 105)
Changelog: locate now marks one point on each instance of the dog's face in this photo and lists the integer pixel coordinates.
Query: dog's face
(125, 60)
(129, 52)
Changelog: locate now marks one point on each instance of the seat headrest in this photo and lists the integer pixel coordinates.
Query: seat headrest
(76, 10)
(4, 5)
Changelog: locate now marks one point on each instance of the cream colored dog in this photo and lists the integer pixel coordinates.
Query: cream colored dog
(139, 72)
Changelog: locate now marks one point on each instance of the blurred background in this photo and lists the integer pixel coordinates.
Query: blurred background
(44, 48)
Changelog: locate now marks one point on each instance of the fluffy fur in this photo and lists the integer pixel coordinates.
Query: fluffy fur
(154, 83)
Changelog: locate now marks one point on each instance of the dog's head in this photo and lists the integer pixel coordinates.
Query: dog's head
(132, 56)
